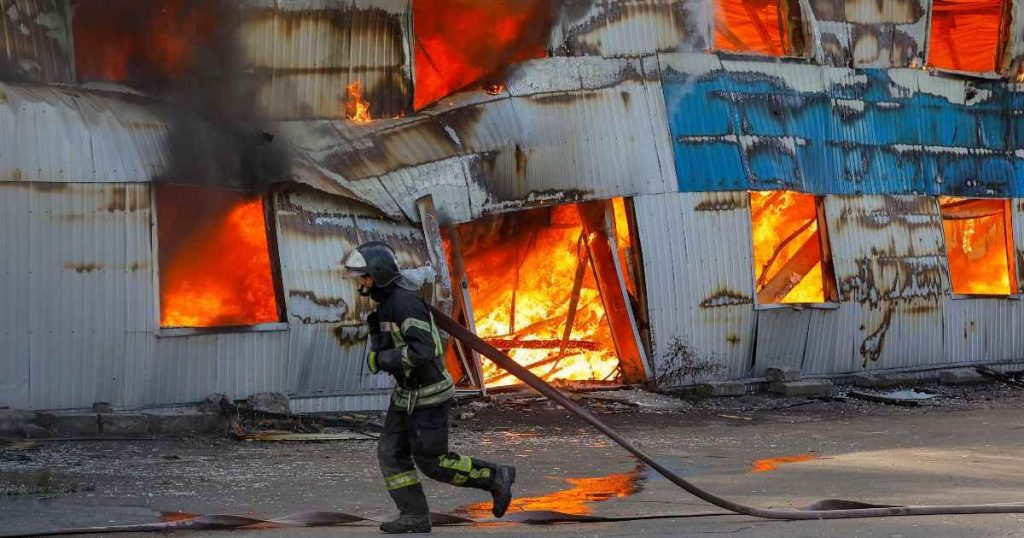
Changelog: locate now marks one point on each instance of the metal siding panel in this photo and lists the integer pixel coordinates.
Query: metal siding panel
(311, 52)
(354, 402)
(327, 347)
(889, 258)
(782, 336)
(59, 134)
(34, 41)
(825, 130)
(15, 295)
(565, 129)
(831, 341)
(79, 256)
(700, 288)
(620, 28)
(187, 368)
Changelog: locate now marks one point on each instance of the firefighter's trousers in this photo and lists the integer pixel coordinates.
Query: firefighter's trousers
(420, 439)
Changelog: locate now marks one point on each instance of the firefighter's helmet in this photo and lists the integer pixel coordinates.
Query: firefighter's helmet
(376, 259)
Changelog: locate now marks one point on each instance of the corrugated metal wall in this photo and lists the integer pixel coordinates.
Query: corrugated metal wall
(61, 134)
(308, 52)
(35, 42)
(78, 311)
(895, 310)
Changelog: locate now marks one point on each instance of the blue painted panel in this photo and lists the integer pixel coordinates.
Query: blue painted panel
(866, 135)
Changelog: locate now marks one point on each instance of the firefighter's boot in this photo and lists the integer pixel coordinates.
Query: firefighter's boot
(501, 489)
(407, 523)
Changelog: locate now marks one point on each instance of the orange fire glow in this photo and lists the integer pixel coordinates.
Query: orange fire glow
(787, 248)
(978, 246)
(128, 40)
(523, 269)
(214, 259)
(357, 109)
(575, 500)
(770, 464)
(965, 34)
(460, 42)
(750, 26)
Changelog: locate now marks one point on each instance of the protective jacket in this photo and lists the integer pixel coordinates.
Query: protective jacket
(409, 348)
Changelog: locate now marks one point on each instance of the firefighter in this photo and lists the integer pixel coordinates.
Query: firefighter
(404, 342)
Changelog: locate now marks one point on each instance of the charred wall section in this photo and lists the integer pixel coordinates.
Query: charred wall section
(894, 311)
(35, 44)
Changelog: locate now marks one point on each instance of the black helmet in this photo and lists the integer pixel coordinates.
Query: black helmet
(374, 258)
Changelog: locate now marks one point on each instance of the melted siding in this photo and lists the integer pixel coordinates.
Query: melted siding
(34, 41)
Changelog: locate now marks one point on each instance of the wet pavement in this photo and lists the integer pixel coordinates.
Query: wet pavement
(967, 450)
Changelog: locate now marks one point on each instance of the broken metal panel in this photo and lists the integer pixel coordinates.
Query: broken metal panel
(831, 130)
(315, 232)
(309, 52)
(889, 258)
(1013, 57)
(60, 134)
(565, 129)
(622, 28)
(35, 42)
(75, 283)
(869, 33)
(700, 289)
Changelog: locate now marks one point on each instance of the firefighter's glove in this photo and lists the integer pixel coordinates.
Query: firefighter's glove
(373, 362)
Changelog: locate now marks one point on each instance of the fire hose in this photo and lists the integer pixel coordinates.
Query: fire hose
(829, 509)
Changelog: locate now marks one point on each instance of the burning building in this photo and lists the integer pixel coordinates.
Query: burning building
(612, 191)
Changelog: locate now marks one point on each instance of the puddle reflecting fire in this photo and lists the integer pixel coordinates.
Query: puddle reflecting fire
(575, 500)
(770, 464)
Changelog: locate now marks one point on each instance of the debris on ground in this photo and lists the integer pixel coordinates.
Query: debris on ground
(1014, 378)
(907, 398)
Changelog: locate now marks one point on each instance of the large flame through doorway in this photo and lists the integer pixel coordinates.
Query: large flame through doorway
(530, 273)
(978, 246)
(788, 261)
(214, 259)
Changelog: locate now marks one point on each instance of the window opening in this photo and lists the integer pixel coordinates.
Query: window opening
(979, 246)
(771, 27)
(214, 256)
(791, 261)
(968, 35)
(544, 288)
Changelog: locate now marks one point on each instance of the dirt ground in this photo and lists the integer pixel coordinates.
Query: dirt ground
(965, 446)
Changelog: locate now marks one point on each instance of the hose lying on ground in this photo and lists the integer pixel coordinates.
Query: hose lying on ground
(829, 509)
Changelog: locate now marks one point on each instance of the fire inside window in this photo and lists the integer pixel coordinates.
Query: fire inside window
(542, 284)
(791, 261)
(771, 27)
(214, 259)
(979, 246)
(462, 42)
(968, 35)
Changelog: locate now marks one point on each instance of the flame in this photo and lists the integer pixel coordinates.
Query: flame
(575, 500)
(965, 34)
(787, 248)
(357, 109)
(130, 41)
(978, 246)
(522, 269)
(215, 270)
(745, 26)
(459, 42)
